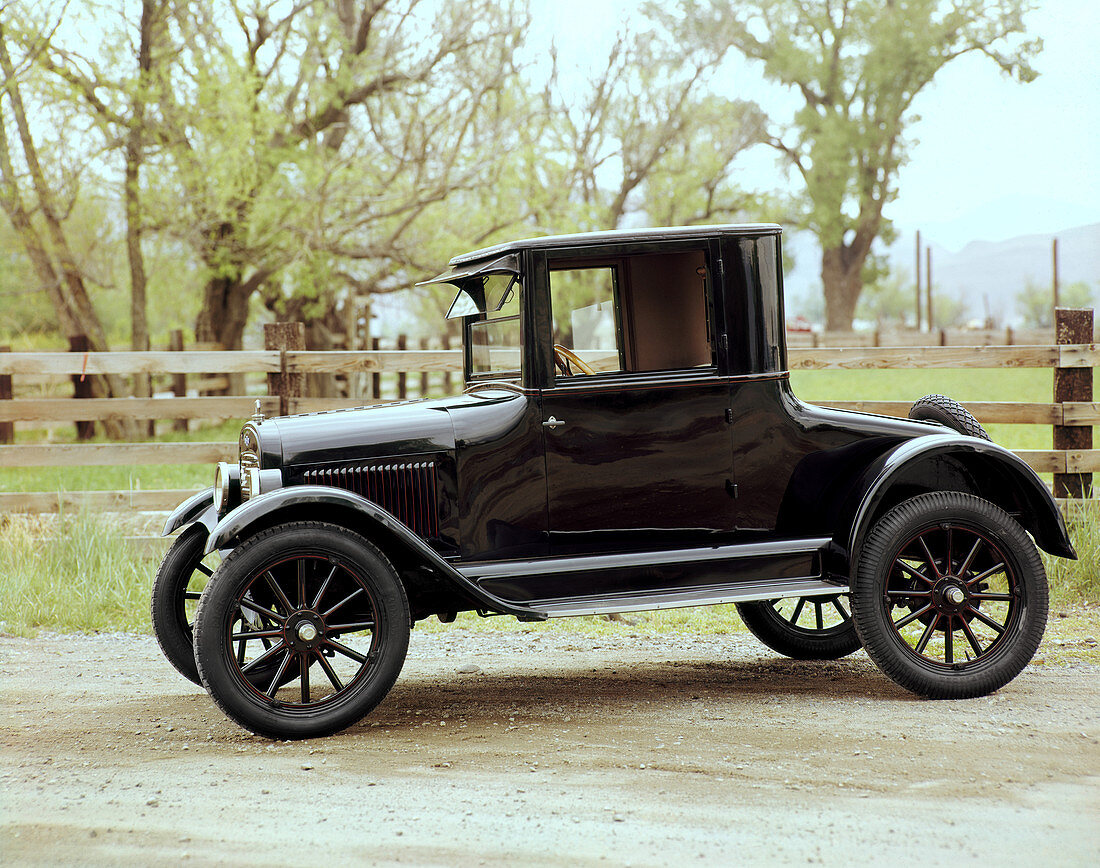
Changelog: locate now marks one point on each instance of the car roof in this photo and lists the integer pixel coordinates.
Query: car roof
(621, 236)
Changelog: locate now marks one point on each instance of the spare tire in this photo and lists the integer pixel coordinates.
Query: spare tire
(946, 411)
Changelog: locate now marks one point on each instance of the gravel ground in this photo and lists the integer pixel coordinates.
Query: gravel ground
(559, 750)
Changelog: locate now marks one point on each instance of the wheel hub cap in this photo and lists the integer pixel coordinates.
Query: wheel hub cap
(304, 631)
(950, 596)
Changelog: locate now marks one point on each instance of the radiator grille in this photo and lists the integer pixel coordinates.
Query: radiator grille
(406, 489)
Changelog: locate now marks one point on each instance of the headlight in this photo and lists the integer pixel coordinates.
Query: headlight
(250, 482)
(255, 481)
(227, 486)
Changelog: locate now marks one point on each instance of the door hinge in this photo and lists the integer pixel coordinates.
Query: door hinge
(731, 489)
(729, 416)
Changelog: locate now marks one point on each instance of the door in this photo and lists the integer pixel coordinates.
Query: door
(637, 443)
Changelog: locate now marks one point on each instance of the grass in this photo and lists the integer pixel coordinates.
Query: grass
(1022, 385)
(88, 580)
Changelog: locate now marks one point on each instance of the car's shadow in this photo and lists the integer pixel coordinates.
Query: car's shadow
(492, 696)
(584, 692)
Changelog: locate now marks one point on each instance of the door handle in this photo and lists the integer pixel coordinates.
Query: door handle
(553, 423)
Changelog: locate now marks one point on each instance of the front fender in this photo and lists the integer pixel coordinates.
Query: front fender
(993, 473)
(199, 507)
(302, 502)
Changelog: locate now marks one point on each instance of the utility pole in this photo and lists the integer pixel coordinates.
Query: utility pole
(928, 280)
(1054, 258)
(918, 280)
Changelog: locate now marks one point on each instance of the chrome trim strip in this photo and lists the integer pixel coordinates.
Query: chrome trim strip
(709, 596)
(596, 563)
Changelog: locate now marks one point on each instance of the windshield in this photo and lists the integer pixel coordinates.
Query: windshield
(495, 340)
(483, 294)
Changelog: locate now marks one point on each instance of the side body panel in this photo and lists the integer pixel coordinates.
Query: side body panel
(501, 492)
(638, 464)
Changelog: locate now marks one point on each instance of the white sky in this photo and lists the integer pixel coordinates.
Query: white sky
(994, 159)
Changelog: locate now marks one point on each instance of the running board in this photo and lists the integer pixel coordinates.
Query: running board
(737, 592)
(649, 580)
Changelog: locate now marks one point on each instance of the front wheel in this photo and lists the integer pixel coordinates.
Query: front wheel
(950, 596)
(319, 605)
(804, 628)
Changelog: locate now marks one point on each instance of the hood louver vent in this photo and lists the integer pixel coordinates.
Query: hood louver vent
(407, 490)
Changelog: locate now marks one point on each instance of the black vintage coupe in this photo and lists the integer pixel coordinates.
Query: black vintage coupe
(627, 440)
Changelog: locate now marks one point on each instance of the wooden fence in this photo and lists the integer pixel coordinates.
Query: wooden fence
(1071, 413)
(911, 338)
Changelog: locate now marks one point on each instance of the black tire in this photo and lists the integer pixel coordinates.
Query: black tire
(348, 627)
(804, 628)
(950, 596)
(949, 412)
(180, 579)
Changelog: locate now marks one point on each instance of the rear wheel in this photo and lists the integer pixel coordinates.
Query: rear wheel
(180, 579)
(805, 628)
(321, 607)
(950, 596)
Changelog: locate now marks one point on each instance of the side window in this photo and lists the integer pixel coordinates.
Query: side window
(495, 340)
(647, 312)
(586, 320)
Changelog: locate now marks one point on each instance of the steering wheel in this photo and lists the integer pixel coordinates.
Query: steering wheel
(565, 358)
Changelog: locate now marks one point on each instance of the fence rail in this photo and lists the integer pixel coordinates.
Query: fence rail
(432, 361)
(281, 364)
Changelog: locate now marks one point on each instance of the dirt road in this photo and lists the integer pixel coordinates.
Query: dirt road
(561, 750)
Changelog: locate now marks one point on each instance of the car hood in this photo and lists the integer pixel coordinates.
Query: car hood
(363, 433)
(404, 429)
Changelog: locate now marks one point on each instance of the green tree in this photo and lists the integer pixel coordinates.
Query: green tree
(306, 145)
(888, 301)
(1035, 303)
(949, 311)
(857, 66)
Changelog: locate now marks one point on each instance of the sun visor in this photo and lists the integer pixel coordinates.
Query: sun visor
(502, 265)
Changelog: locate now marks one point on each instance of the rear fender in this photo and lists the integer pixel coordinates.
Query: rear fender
(199, 507)
(324, 503)
(950, 462)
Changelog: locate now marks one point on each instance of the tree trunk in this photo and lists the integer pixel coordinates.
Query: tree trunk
(66, 289)
(223, 318)
(841, 276)
(224, 312)
(135, 157)
(321, 334)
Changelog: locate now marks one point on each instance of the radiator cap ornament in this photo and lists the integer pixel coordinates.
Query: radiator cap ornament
(258, 416)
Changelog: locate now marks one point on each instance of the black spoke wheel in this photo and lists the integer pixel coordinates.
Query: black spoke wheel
(302, 630)
(950, 596)
(805, 628)
(179, 582)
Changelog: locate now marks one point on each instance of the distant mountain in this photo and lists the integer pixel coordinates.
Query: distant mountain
(986, 275)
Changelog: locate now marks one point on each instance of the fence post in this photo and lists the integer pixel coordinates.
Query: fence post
(82, 387)
(446, 374)
(284, 336)
(424, 374)
(179, 381)
(7, 429)
(1072, 326)
(375, 378)
(402, 376)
